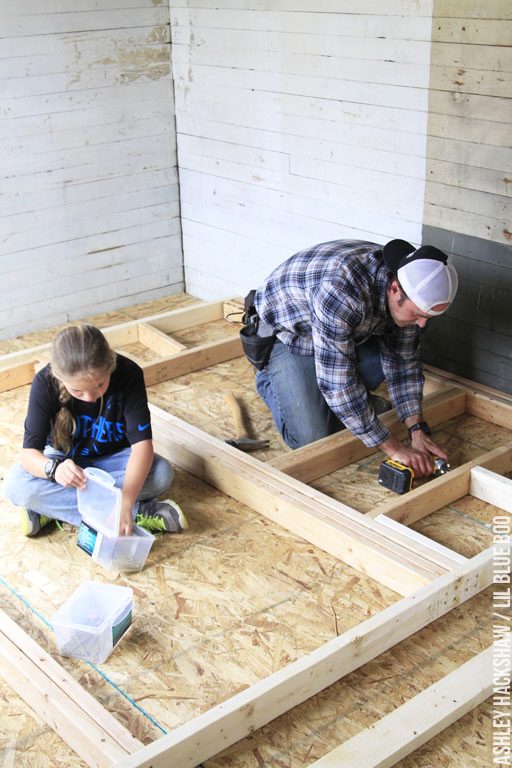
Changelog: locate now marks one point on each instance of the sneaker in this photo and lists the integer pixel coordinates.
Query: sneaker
(161, 516)
(32, 523)
(380, 404)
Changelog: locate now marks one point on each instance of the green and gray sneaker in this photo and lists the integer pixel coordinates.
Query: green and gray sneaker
(32, 523)
(161, 516)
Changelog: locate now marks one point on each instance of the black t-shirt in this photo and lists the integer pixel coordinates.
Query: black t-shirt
(123, 421)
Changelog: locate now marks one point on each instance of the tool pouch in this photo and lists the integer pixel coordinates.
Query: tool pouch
(256, 348)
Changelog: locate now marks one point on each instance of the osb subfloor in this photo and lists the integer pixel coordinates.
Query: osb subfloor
(235, 597)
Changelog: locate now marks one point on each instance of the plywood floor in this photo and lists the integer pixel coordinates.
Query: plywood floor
(236, 597)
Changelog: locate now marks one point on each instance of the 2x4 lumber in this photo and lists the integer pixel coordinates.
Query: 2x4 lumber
(443, 490)
(234, 719)
(187, 317)
(491, 487)
(193, 359)
(17, 375)
(17, 368)
(158, 341)
(489, 408)
(402, 530)
(330, 525)
(484, 402)
(431, 372)
(336, 451)
(91, 731)
(417, 721)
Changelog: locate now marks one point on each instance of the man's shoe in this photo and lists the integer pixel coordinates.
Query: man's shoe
(161, 516)
(32, 523)
(380, 404)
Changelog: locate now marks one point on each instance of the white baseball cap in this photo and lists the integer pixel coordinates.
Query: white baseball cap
(424, 274)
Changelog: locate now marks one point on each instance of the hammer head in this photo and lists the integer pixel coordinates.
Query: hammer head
(248, 444)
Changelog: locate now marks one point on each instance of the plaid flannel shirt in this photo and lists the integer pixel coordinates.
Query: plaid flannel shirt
(324, 301)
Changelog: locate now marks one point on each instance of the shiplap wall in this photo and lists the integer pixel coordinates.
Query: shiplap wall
(298, 121)
(470, 114)
(89, 203)
(469, 185)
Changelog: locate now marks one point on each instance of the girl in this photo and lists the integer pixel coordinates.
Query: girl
(88, 408)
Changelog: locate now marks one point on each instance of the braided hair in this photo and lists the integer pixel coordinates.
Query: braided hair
(80, 350)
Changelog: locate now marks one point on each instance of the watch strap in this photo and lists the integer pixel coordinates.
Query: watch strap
(422, 425)
(50, 469)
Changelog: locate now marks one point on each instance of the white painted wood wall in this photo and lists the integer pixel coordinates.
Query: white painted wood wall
(298, 121)
(89, 209)
(469, 149)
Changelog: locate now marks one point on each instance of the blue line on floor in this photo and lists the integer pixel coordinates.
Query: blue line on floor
(94, 666)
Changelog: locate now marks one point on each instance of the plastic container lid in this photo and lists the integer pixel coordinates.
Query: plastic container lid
(99, 503)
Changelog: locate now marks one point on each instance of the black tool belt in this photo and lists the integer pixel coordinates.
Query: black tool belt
(256, 348)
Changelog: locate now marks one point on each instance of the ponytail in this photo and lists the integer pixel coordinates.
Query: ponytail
(65, 424)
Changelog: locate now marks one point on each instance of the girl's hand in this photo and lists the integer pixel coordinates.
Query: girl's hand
(70, 475)
(126, 523)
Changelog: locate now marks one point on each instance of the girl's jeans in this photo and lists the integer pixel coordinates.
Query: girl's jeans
(288, 386)
(53, 500)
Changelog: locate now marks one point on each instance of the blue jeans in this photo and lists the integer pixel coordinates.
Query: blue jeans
(289, 387)
(53, 500)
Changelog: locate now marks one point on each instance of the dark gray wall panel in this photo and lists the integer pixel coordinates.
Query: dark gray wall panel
(474, 338)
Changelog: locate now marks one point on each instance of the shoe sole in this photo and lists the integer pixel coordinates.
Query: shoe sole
(181, 515)
(28, 529)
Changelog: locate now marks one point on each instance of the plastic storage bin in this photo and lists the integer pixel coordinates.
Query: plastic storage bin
(120, 553)
(93, 620)
(100, 507)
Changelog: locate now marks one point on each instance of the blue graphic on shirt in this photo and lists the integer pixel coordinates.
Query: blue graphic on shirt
(142, 427)
(91, 432)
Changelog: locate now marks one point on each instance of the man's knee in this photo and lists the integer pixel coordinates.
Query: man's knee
(304, 432)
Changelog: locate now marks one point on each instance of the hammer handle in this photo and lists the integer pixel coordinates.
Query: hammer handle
(237, 414)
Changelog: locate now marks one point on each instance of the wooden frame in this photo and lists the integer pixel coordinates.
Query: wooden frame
(17, 368)
(433, 579)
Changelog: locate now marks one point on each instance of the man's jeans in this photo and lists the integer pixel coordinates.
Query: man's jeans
(53, 500)
(289, 387)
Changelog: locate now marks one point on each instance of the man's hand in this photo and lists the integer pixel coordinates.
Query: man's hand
(419, 456)
(70, 475)
(422, 442)
(420, 462)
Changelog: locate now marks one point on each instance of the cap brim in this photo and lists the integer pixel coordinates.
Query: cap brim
(395, 252)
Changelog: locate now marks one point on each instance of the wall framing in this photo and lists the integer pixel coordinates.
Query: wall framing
(432, 579)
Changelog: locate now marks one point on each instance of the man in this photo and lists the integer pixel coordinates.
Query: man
(338, 319)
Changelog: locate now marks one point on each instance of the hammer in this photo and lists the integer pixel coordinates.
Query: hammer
(242, 440)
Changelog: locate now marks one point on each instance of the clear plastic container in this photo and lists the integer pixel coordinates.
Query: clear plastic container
(119, 553)
(98, 535)
(99, 503)
(93, 620)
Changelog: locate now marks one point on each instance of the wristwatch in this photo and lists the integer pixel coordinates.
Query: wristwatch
(50, 468)
(420, 425)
